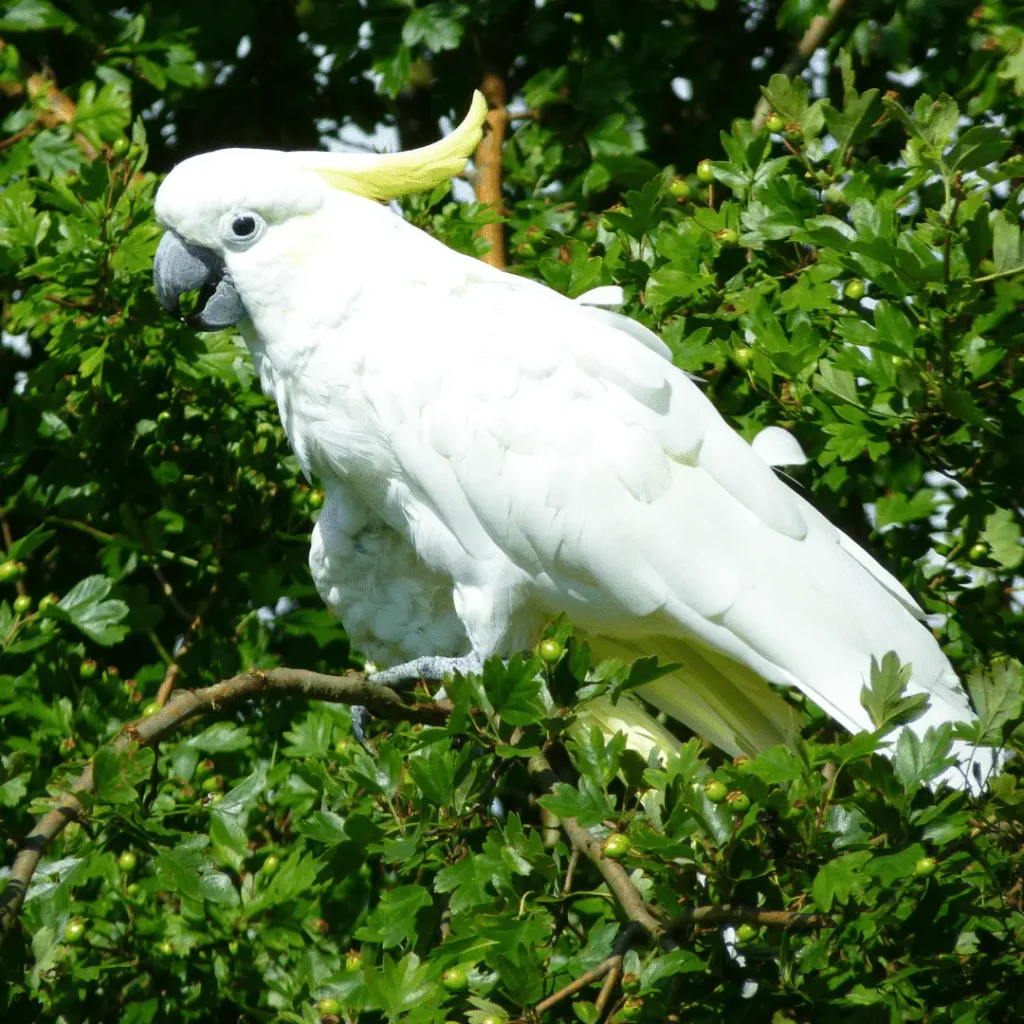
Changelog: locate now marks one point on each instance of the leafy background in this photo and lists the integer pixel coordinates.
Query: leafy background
(854, 274)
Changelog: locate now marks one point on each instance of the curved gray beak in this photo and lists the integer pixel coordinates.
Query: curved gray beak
(180, 267)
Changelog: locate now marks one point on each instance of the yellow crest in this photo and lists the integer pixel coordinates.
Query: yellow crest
(389, 175)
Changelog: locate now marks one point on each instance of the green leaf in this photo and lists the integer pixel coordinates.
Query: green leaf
(588, 804)
(118, 773)
(1002, 535)
(34, 16)
(917, 760)
(977, 146)
(884, 701)
(437, 26)
(393, 920)
(839, 879)
(998, 697)
(98, 619)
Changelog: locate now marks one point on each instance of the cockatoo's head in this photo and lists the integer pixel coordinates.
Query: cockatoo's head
(219, 206)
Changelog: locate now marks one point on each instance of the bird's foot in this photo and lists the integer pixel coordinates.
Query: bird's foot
(431, 667)
(406, 675)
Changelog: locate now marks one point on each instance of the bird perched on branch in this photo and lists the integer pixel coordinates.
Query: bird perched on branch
(493, 454)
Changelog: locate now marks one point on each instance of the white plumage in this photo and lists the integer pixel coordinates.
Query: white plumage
(493, 454)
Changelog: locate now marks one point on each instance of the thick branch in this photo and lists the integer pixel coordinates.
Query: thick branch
(820, 28)
(631, 901)
(351, 688)
(615, 874)
(488, 168)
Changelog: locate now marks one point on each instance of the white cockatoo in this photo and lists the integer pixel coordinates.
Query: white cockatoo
(493, 454)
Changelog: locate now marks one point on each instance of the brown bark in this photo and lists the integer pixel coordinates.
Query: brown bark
(488, 167)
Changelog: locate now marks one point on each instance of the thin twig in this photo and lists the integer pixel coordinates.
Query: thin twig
(594, 974)
(570, 871)
(727, 914)
(351, 688)
(8, 539)
(820, 28)
(610, 981)
(174, 668)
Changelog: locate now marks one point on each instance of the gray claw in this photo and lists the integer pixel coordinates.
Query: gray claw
(431, 667)
(408, 674)
(360, 721)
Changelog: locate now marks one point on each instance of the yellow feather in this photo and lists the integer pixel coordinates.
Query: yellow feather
(385, 176)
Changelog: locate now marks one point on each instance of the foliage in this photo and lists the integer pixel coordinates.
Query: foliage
(146, 483)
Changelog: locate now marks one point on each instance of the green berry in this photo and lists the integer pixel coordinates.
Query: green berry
(679, 187)
(22, 604)
(588, 231)
(550, 651)
(746, 933)
(744, 356)
(455, 979)
(854, 289)
(233, 947)
(271, 864)
(705, 172)
(978, 553)
(74, 931)
(630, 984)
(151, 709)
(739, 802)
(342, 746)
(212, 784)
(726, 236)
(127, 862)
(616, 846)
(716, 791)
(87, 669)
(214, 798)
(794, 132)
(329, 1005)
(315, 499)
(353, 961)
(10, 571)
(120, 147)
(775, 123)
(166, 948)
(48, 601)
(631, 1009)
(132, 889)
(926, 867)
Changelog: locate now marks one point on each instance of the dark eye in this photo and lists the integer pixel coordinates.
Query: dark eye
(243, 226)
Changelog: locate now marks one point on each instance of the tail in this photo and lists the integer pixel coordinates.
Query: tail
(719, 699)
(732, 707)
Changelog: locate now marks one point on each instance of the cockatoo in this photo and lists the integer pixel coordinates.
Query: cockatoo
(493, 454)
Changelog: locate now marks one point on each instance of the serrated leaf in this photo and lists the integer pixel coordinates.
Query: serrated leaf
(998, 697)
(98, 619)
(1003, 536)
(393, 920)
(837, 880)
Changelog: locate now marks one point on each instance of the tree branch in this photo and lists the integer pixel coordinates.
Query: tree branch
(488, 168)
(351, 688)
(632, 902)
(725, 913)
(594, 974)
(615, 875)
(820, 28)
